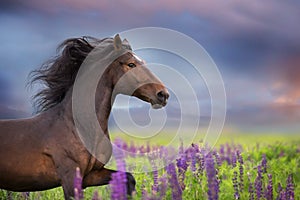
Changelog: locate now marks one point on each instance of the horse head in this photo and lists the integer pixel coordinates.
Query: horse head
(132, 77)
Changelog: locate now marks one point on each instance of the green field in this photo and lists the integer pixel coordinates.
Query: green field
(282, 153)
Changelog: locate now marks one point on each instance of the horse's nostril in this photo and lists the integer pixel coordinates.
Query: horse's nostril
(162, 95)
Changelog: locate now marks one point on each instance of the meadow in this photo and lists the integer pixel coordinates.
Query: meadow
(242, 166)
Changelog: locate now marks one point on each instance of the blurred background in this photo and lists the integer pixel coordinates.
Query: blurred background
(255, 44)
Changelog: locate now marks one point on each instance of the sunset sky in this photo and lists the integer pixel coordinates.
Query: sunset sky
(255, 44)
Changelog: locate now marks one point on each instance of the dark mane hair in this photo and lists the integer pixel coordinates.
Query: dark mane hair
(58, 74)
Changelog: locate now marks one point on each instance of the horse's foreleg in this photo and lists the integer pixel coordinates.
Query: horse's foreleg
(103, 176)
(67, 183)
(66, 170)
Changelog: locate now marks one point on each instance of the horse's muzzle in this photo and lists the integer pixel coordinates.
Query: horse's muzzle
(161, 99)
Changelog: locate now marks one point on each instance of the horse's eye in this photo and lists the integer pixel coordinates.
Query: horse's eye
(131, 65)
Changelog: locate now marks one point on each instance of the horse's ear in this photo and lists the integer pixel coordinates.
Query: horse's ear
(125, 41)
(117, 42)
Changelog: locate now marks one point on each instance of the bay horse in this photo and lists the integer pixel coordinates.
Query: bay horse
(43, 152)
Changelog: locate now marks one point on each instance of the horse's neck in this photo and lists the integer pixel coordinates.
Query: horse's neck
(103, 104)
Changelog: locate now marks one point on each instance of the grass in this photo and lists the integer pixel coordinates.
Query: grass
(283, 159)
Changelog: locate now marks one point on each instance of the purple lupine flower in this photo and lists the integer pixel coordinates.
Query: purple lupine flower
(161, 152)
(264, 163)
(235, 185)
(155, 178)
(132, 148)
(194, 154)
(290, 188)
(161, 190)
(212, 182)
(239, 157)
(258, 183)
(78, 193)
(193, 159)
(201, 163)
(162, 187)
(233, 159)
(217, 157)
(269, 191)
(228, 153)
(281, 193)
(118, 179)
(222, 153)
(173, 181)
(142, 149)
(241, 182)
(118, 186)
(241, 170)
(250, 189)
(182, 167)
(182, 163)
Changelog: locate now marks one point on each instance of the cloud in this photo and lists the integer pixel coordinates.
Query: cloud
(11, 113)
(4, 90)
(286, 84)
(11, 104)
(233, 15)
(254, 43)
(268, 117)
(270, 101)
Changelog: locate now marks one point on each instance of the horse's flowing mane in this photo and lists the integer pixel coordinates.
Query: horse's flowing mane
(58, 74)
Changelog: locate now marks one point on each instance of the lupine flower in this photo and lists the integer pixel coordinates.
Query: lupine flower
(281, 193)
(269, 192)
(173, 181)
(201, 163)
(250, 189)
(239, 157)
(161, 192)
(193, 159)
(182, 167)
(229, 153)
(155, 178)
(118, 186)
(258, 183)
(235, 185)
(132, 148)
(264, 163)
(290, 188)
(217, 157)
(194, 154)
(222, 153)
(233, 159)
(119, 179)
(212, 182)
(241, 169)
(162, 186)
(78, 193)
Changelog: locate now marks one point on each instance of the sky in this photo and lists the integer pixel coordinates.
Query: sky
(255, 44)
